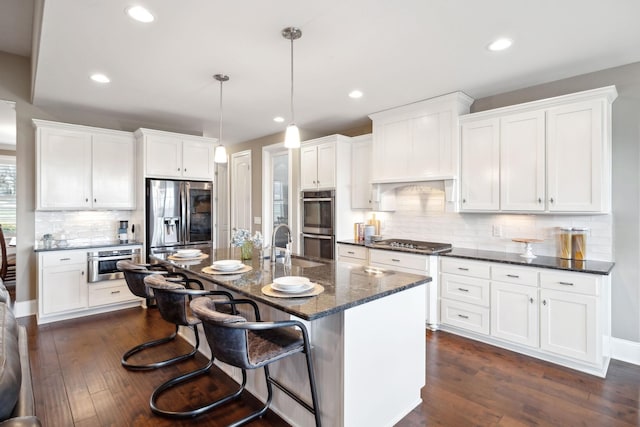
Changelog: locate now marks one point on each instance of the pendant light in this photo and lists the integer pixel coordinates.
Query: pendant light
(292, 136)
(220, 153)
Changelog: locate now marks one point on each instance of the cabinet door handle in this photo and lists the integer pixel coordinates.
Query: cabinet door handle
(551, 199)
(185, 169)
(463, 290)
(515, 276)
(566, 283)
(463, 316)
(531, 300)
(539, 200)
(82, 272)
(464, 200)
(86, 200)
(544, 302)
(395, 260)
(95, 200)
(463, 268)
(178, 169)
(65, 259)
(115, 292)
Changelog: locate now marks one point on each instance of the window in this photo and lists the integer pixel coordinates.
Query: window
(8, 195)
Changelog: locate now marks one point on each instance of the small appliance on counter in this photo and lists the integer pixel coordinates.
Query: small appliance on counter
(123, 231)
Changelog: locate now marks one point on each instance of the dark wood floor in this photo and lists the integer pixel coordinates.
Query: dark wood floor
(79, 382)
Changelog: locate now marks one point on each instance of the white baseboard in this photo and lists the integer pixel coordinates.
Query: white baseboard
(25, 308)
(627, 351)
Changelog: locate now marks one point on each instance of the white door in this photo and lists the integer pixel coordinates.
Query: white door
(480, 166)
(240, 187)
(223, 232)
(278, 194)
(514, 313)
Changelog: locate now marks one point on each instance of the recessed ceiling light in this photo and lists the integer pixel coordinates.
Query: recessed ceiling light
(140, 14)
(500, 44)
(278, 119)
(100, 78)
(355, 94)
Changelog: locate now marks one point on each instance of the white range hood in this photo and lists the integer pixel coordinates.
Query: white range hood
(383, 192)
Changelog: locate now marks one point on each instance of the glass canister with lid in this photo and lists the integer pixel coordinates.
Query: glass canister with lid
(579, 243)
(566, 250)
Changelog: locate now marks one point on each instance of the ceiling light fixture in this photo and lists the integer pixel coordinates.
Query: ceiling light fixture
(500, 44)
(220, 153)
(355, 94)
(140, 14)
(100, 78)
(292, 136)
(278, 119)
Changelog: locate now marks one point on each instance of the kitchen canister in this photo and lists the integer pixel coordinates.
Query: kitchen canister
(579, 243)
(369, 232)
(565, 243)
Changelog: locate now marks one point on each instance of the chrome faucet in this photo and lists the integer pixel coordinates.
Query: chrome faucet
(274, 248)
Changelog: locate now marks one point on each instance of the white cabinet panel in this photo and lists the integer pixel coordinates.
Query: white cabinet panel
(465, 289)
(514, 313)
(318, 166)
(113, 161)
(361, 157)
(163, 156)
(522, 162)
(62, 285)
(480, 166)
(197, 160)
(466, 316)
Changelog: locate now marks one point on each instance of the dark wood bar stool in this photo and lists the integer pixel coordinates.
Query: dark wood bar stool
(252, 345)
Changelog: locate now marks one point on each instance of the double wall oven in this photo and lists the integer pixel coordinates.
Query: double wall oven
(318, 227)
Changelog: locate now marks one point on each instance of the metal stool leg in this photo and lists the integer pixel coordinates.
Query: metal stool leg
(154, 343)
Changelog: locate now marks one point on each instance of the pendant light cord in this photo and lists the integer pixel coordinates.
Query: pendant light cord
(220, 135)
(292, 116)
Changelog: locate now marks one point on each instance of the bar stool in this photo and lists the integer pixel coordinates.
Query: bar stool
(134, 275)
(173, 303)
(251, 345)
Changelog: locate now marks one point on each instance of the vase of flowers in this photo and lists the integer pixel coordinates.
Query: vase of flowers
(242, 238)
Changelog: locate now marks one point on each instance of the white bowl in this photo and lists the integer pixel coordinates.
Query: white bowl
(227, 265)
(185, 253)
(291, 282)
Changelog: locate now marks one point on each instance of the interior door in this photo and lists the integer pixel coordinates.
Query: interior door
(222, 206)
(241, 190)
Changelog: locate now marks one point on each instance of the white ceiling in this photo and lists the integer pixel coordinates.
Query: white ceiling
(396, 52)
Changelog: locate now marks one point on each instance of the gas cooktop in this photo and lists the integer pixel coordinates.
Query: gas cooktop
(412, 246)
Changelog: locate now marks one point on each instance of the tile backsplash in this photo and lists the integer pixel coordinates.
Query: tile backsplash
(82, 227)
(420, 215)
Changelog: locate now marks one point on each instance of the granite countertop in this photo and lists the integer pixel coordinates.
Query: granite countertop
(345, 285)
(87, 245)
(588, 266)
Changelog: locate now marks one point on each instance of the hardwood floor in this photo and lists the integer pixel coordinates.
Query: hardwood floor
(79, 381)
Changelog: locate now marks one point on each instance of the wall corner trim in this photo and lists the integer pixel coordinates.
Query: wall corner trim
(626, 351)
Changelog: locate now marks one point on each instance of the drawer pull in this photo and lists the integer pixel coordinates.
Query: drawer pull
(115, 292)
(351, 252)
(515, 276)
(65, 259)
(463, 268)
(463, 316)
(566, 283)
(463, 290)
(395, 260)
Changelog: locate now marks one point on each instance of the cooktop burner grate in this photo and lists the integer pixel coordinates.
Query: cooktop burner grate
(413, 246)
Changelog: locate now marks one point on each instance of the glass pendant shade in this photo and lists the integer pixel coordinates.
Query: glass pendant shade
(220, 154)
(292, 137)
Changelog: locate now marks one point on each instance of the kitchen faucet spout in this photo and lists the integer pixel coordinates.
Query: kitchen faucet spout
(276, 231)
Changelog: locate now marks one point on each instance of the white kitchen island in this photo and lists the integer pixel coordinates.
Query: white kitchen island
(367, 332)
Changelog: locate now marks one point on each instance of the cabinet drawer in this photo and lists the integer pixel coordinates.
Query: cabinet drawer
(465, 289)
(521, 276)
(465, 267)
(570, 282)
(396, 259)
(351, 251)
(51, 259)
(466, 316)
(102, 295)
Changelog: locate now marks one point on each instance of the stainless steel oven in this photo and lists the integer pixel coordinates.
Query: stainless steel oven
(102, 264)
(318, 209)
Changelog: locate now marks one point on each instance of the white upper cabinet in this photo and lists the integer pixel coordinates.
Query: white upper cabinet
(80, 167)
(318, 166)
(522, 162)
(578, 158)
(554, 156)
(480, 165)
(173, 155)
(418, 141)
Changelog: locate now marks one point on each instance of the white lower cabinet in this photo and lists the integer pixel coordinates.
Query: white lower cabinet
(63, 291)
(353, 254)
(559, 316)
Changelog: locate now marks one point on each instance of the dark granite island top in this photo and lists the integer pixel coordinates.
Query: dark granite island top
(345, 285)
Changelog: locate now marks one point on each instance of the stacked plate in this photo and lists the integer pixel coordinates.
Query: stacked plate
(227, 265)
(187, 253)
(292, 284)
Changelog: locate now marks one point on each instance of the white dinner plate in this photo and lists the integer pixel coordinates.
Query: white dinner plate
(188, 253)
(227, 265)
(293, 290)
(290, 282)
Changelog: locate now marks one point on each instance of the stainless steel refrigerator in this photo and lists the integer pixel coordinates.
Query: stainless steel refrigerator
(178, 213)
